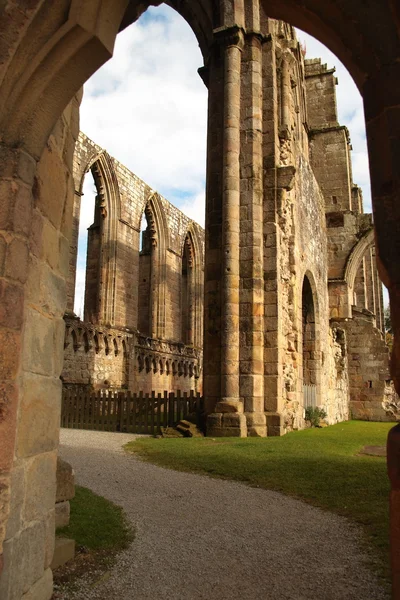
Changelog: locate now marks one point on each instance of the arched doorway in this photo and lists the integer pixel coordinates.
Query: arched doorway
(310, 347)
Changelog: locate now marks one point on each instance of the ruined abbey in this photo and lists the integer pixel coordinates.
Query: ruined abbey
(310, 308)
(284, 275)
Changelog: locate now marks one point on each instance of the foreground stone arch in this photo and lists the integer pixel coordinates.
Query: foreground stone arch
(48, 52)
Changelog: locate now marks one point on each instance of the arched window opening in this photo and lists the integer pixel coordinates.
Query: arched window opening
(86, 228)
(148, 243)
(360, 286)
(309, 345)
(367, 288)
(143, 232)
(187, 293)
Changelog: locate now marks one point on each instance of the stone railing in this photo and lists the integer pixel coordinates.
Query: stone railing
(95, 353)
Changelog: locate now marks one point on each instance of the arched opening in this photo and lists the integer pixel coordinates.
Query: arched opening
(367, 288)
(362, 277)
(85, 246)
(146, 291)
(309, 350)
(187, 293)
(91, 285)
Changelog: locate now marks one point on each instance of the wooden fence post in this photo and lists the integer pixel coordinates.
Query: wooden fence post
(120, 410)
(165, 416)
(159, 402)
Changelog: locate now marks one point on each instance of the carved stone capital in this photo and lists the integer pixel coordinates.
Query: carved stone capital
(230, 36)
(263, 38)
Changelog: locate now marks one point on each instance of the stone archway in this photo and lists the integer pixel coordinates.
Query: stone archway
(362, 279)
(310, 344)
(47, 54)
(101, 302)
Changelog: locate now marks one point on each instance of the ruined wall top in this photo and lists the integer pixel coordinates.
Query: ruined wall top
(128, 195)
(321, 94)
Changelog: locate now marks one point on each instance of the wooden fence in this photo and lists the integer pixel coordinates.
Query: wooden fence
(109, 410)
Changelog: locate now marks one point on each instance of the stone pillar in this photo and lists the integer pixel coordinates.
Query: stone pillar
(285, 97)
(213, 78)
(153, 289)
(251, 220)
(379, 310)
(393, 467)
(228, 418)
(33, 275)
(370, 281)
(360, 286)
(191, 303)
(73, 253)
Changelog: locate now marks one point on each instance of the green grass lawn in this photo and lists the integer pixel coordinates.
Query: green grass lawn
(96, 523)
(319, 466)
(100, 530)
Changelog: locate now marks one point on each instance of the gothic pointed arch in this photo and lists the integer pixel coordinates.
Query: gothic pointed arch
(152, 269)
(101, 269)
(310, 341)
(192, 287)
(358, 251)
(363, 282)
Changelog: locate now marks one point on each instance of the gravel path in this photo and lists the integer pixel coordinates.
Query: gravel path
(202, 538)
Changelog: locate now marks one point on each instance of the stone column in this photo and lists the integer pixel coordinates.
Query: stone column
(191, 303)
(378, 294)
(153, 289)
(370, 281)
(360, 285)
(285, 97)
(251, 219)
(228, 418)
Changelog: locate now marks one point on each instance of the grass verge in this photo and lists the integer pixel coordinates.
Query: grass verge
(100, 530)
(320, 466)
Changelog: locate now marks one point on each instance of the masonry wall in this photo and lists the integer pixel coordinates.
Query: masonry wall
(296, 245)
(335, 395)
(28, 486)
(133, 290)
(368, 366)
(106, 358)
(301, 220)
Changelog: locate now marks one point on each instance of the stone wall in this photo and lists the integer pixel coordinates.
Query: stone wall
(40, 262)
(335, 396)
(107, 358)
(371, 387)
(133, 291)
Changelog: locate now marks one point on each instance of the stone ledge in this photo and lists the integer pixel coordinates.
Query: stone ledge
(63, 552)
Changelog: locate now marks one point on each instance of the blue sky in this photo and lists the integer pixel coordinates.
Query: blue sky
(148, 107)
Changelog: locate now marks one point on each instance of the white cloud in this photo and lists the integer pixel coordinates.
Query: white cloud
(148, 105)
(194, 208)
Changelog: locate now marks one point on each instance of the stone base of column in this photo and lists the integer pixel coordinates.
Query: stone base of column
(274, 424)
(228, 419)
(256, 424)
